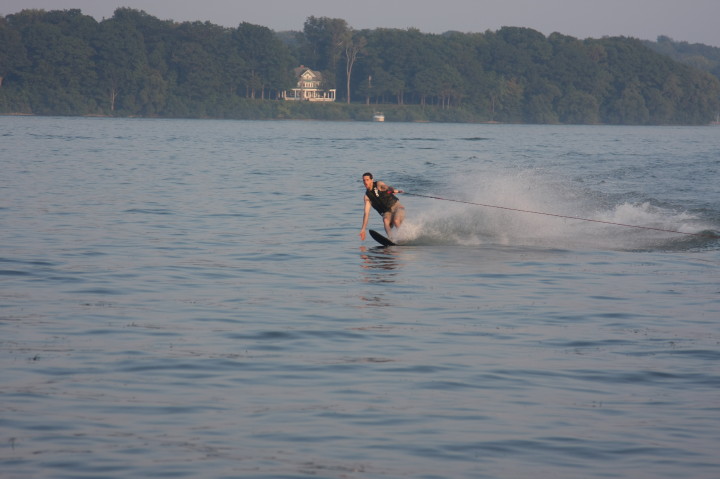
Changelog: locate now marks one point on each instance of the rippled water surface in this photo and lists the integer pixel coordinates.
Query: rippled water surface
(192, 299)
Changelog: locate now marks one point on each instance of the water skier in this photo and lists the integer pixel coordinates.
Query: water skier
(381, 197)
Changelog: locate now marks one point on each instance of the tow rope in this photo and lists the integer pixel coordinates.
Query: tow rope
(701, 235)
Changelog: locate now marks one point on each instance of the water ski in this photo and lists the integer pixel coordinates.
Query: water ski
(381, 239)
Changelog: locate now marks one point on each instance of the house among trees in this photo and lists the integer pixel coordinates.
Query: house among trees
(309, 87)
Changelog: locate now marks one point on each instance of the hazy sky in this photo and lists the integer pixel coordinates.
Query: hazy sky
(694, 21)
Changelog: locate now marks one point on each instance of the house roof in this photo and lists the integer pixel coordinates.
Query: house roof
(307, 73)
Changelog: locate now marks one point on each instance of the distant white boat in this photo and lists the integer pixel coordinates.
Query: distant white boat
(378, 117)
(717, 120)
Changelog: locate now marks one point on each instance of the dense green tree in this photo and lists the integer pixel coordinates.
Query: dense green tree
(393, 58)
(63, 62)
(323, 48)
(578, 107)
(12, 54)
(541, 97)
(630, 107)
(121, 61)
(200, 75)
(59, 72)
(697, 55)
(575, 65)
(267, 61)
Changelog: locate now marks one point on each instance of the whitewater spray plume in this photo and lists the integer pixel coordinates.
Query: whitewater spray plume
(527, 208)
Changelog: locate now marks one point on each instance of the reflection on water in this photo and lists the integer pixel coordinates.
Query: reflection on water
(379, 266)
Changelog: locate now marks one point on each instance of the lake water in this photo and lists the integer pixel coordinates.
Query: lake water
(192, 299)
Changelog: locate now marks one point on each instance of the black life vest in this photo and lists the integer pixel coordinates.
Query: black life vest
(382, 201)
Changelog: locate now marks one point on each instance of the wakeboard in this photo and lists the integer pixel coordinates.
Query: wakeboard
(381, 239)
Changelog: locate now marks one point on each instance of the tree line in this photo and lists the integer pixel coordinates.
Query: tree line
(702, 57)
(62, 62)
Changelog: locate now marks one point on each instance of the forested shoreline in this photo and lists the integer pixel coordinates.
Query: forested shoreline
(63, 62)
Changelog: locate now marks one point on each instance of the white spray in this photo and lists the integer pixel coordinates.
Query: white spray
(525, 208)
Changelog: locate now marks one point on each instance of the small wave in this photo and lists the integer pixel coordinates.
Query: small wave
(100, 291)
(9, 272)
(48, 136)
(420, 139)
(150, 211)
